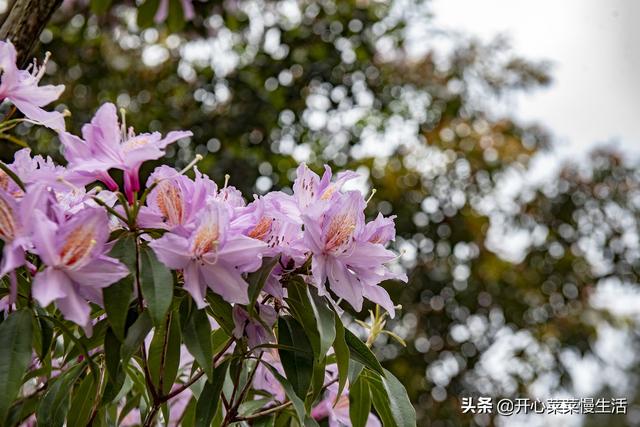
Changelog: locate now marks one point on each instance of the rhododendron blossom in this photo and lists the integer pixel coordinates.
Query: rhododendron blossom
(107, 144)
(21, 87)
(76, 264)
(153, 288)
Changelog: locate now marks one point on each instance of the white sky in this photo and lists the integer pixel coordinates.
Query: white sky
(594, 46)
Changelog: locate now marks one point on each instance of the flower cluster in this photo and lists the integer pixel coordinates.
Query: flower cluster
(59, 227)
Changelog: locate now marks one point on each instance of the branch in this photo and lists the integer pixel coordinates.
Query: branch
(25, 22)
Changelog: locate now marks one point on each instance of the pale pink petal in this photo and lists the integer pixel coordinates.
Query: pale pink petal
(50, 285)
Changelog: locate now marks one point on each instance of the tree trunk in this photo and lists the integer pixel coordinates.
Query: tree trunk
(25, 22)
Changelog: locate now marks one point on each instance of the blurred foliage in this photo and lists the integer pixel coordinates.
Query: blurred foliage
(264, 85)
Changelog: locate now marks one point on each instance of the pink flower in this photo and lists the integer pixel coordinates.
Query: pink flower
(21, 88)
(77, 267)
(16, 226)
(353, 266)
(212, 255)
(175, 200)
(107, 145)
(308, 188)
(253, 329)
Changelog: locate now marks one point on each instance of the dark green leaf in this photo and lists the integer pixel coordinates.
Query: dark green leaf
(257, 280)
(298, 364)
(115, 371)
(84, 397)
(55, 403)
(157, 286)
(116, 304)
(175, 20)
(361, 353)
(301, 308)
(208, 402)
(125, 247)
(324, 321)
(135, 336)
(146, 13)
(359, 402)
(221, 311)
(196, 332)
(298, 404)
(164, 354)
(341, 351)
(15, 354)
(391, 400)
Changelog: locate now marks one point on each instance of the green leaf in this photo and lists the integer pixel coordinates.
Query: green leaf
(156, 282)
(125, 247)
(175, 20)
(221, 311)
(146, 13)
(135, 336)
(115, 371)
(391, 400)
(99, 7)
(55, 403)
(297, 364)
(298, 404)
(43, 337)
(116, 304)
(361, 353)
(301, 309)
(341, 351)
(196, 332)
(82, 402)
(324, 321)
(257, 280)
(164, 354)
(359, 402)
(209, 399)
(15, 355)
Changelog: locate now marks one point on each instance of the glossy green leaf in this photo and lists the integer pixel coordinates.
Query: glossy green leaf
(54, 406)
(221, 311)
(298, 404)
(257, 279)
(135, 336)
(361, 353)
(116, 304)
(82, 403)
(156, 282)
(341, 351)
(115, 371)
(15, 354)
(325, 322)
(164, 354)
(209, 399)
(359, 402)
(298, 363)
(196, 332)
(391, 400)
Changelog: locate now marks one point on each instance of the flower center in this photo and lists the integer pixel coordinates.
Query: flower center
(340, 231)
(206, 239)
(7, 222)
(78, 245)
(4, 180)
(135, 142)
(170, 203)
(262, 229)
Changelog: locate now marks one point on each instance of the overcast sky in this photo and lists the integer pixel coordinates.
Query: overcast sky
(594, 46)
